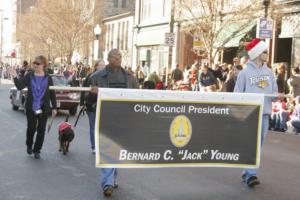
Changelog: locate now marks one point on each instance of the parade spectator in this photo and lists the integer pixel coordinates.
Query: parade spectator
(217, 70)
(49, 68)
(235, 61)
(89, 101)
(295, 120)
(113, 76)
(294, 82)
(187, 74)
(256, 77)
(207, 80)
(284, 115)
(140, 75)
(129, 69)
(37, 103)
(23, 69)
(280, 78)
(244, 61)
(176, 75)
(224, 72)
(194, 76)
(279, 115)
(68, 73)
(159, 86)
(146, 69)
(164, 76)
(148, 85)
(153, 77)
(230, 83)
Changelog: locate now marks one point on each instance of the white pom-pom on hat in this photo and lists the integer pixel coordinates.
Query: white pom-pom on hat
(255, 48)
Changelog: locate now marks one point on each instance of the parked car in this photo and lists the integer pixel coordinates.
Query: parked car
(65, 100)
(18, 98)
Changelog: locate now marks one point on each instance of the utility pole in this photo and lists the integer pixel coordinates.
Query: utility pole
(266, 4)
(170, 47)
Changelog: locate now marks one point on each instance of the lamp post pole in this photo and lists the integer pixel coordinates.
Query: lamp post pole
(1, 48)
(49, 42)
(30, 45)
(266, 4)
(97, 32)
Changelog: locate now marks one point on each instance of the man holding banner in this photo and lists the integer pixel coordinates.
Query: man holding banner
(112, 76)
(257, 78)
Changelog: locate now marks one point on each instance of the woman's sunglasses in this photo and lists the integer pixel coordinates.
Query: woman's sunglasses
(37, 63)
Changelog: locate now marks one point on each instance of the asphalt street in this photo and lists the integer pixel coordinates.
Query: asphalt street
(74, 176)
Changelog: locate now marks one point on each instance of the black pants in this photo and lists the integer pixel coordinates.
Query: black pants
(35, 123)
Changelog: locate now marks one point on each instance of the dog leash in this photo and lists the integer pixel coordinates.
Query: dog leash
(80, 112)
(51, 122)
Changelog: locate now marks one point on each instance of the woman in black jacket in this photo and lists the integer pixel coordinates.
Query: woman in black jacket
(37, 103)
(89, 100)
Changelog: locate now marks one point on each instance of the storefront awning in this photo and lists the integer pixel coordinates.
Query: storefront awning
(290, 26)
(231, 35)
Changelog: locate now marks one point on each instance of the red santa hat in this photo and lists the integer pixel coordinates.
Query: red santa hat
(255, 48)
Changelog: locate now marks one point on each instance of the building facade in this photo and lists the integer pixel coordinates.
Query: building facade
(287, 36)
(105, 9)
(8, 32)
(119, 35)
(152, 22)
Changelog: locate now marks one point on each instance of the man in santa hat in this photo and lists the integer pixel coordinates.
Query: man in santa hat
(256, 77)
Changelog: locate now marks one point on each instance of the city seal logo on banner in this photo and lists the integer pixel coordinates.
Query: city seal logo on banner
(180, 131)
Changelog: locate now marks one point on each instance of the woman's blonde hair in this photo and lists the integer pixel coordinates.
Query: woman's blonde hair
(42, 60)
(281, 67)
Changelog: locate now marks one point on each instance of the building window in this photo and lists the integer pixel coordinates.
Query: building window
(123, 3)
(153, 10)
(116, 3)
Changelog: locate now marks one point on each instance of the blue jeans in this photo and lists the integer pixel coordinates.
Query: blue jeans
(279, 119)
(296, 124)
(264, 129)
(108, 177)
(283, 118)
(91, 116)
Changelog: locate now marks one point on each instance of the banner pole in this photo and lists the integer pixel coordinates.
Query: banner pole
(76, 89)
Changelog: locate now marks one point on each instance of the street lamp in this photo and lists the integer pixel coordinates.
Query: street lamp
(49, 42)
(97, 32)
(266, 4)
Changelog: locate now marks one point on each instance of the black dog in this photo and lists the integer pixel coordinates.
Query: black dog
(66, 135)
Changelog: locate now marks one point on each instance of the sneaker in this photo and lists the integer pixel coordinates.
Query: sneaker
(37, 155)
(29, 150)
(244, 178)
(253, 181)
(108, 190)
(116, 185)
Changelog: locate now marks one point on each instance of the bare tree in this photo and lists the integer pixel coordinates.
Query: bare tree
(68, 23)
(216, 22)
